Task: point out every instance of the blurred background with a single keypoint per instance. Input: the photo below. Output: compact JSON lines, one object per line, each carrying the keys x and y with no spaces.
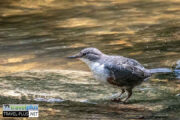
{"x":40,"y":34}
{"x":36,"y":36}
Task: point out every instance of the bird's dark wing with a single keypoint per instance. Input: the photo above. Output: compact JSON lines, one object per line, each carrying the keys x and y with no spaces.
{"x":127,"y":73}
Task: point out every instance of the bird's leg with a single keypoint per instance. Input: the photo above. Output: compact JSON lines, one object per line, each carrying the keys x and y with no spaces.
{"x":118,"y":99}
{"x":129,"y":91}
{"x":122,"y":92}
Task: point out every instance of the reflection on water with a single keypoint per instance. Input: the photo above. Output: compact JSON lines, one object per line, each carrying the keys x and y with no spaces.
{"x":49,"y":30}
{"x":40,"y":34}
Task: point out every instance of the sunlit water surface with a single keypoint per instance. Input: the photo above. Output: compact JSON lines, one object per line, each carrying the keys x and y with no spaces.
{"x":35,"y":38}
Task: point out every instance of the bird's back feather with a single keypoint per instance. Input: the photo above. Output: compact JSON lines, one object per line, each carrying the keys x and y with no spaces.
{"x":127,"y":72}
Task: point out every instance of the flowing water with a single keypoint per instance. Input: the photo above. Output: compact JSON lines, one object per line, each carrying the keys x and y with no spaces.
{"x":37,"y":36}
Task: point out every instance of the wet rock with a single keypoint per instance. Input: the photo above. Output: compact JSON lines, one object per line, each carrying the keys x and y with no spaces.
{"x":83,"y":94}
{"x":178,"y":64}
{"x":177,"y":70}
{"x":178,"y":95}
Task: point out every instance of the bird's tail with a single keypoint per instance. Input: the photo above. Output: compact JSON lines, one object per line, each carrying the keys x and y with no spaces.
{"x":157,"y":70}
{"x":160,"y":70}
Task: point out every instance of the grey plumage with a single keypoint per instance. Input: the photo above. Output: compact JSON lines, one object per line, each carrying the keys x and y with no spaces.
{"x":117,"y":70}
{"x":127,"y":72}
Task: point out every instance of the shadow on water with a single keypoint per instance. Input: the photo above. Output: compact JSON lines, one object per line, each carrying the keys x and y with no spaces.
{"x":39,"y":35}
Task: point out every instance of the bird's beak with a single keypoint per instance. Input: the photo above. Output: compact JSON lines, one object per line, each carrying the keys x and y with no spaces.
{"x":75,"y":56}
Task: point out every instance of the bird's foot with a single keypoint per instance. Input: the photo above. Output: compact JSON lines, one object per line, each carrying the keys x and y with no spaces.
{"x":116,"y":100}
{"x":124,"y":101}
{"x":119,"y":100}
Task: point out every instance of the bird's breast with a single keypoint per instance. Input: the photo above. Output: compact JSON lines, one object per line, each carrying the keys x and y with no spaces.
{"x":99,"y":71}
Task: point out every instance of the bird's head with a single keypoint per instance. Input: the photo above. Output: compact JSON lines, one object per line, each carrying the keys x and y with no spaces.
{"x":88,"y":55}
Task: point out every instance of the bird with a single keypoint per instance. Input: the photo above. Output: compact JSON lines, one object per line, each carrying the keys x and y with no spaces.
{"x":126,"y":73}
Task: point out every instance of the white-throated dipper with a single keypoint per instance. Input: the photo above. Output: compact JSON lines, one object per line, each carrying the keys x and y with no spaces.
{"x":116,"y":70}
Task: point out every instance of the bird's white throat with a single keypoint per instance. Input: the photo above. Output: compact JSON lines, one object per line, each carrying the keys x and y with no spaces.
{"x":98,"y":70}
